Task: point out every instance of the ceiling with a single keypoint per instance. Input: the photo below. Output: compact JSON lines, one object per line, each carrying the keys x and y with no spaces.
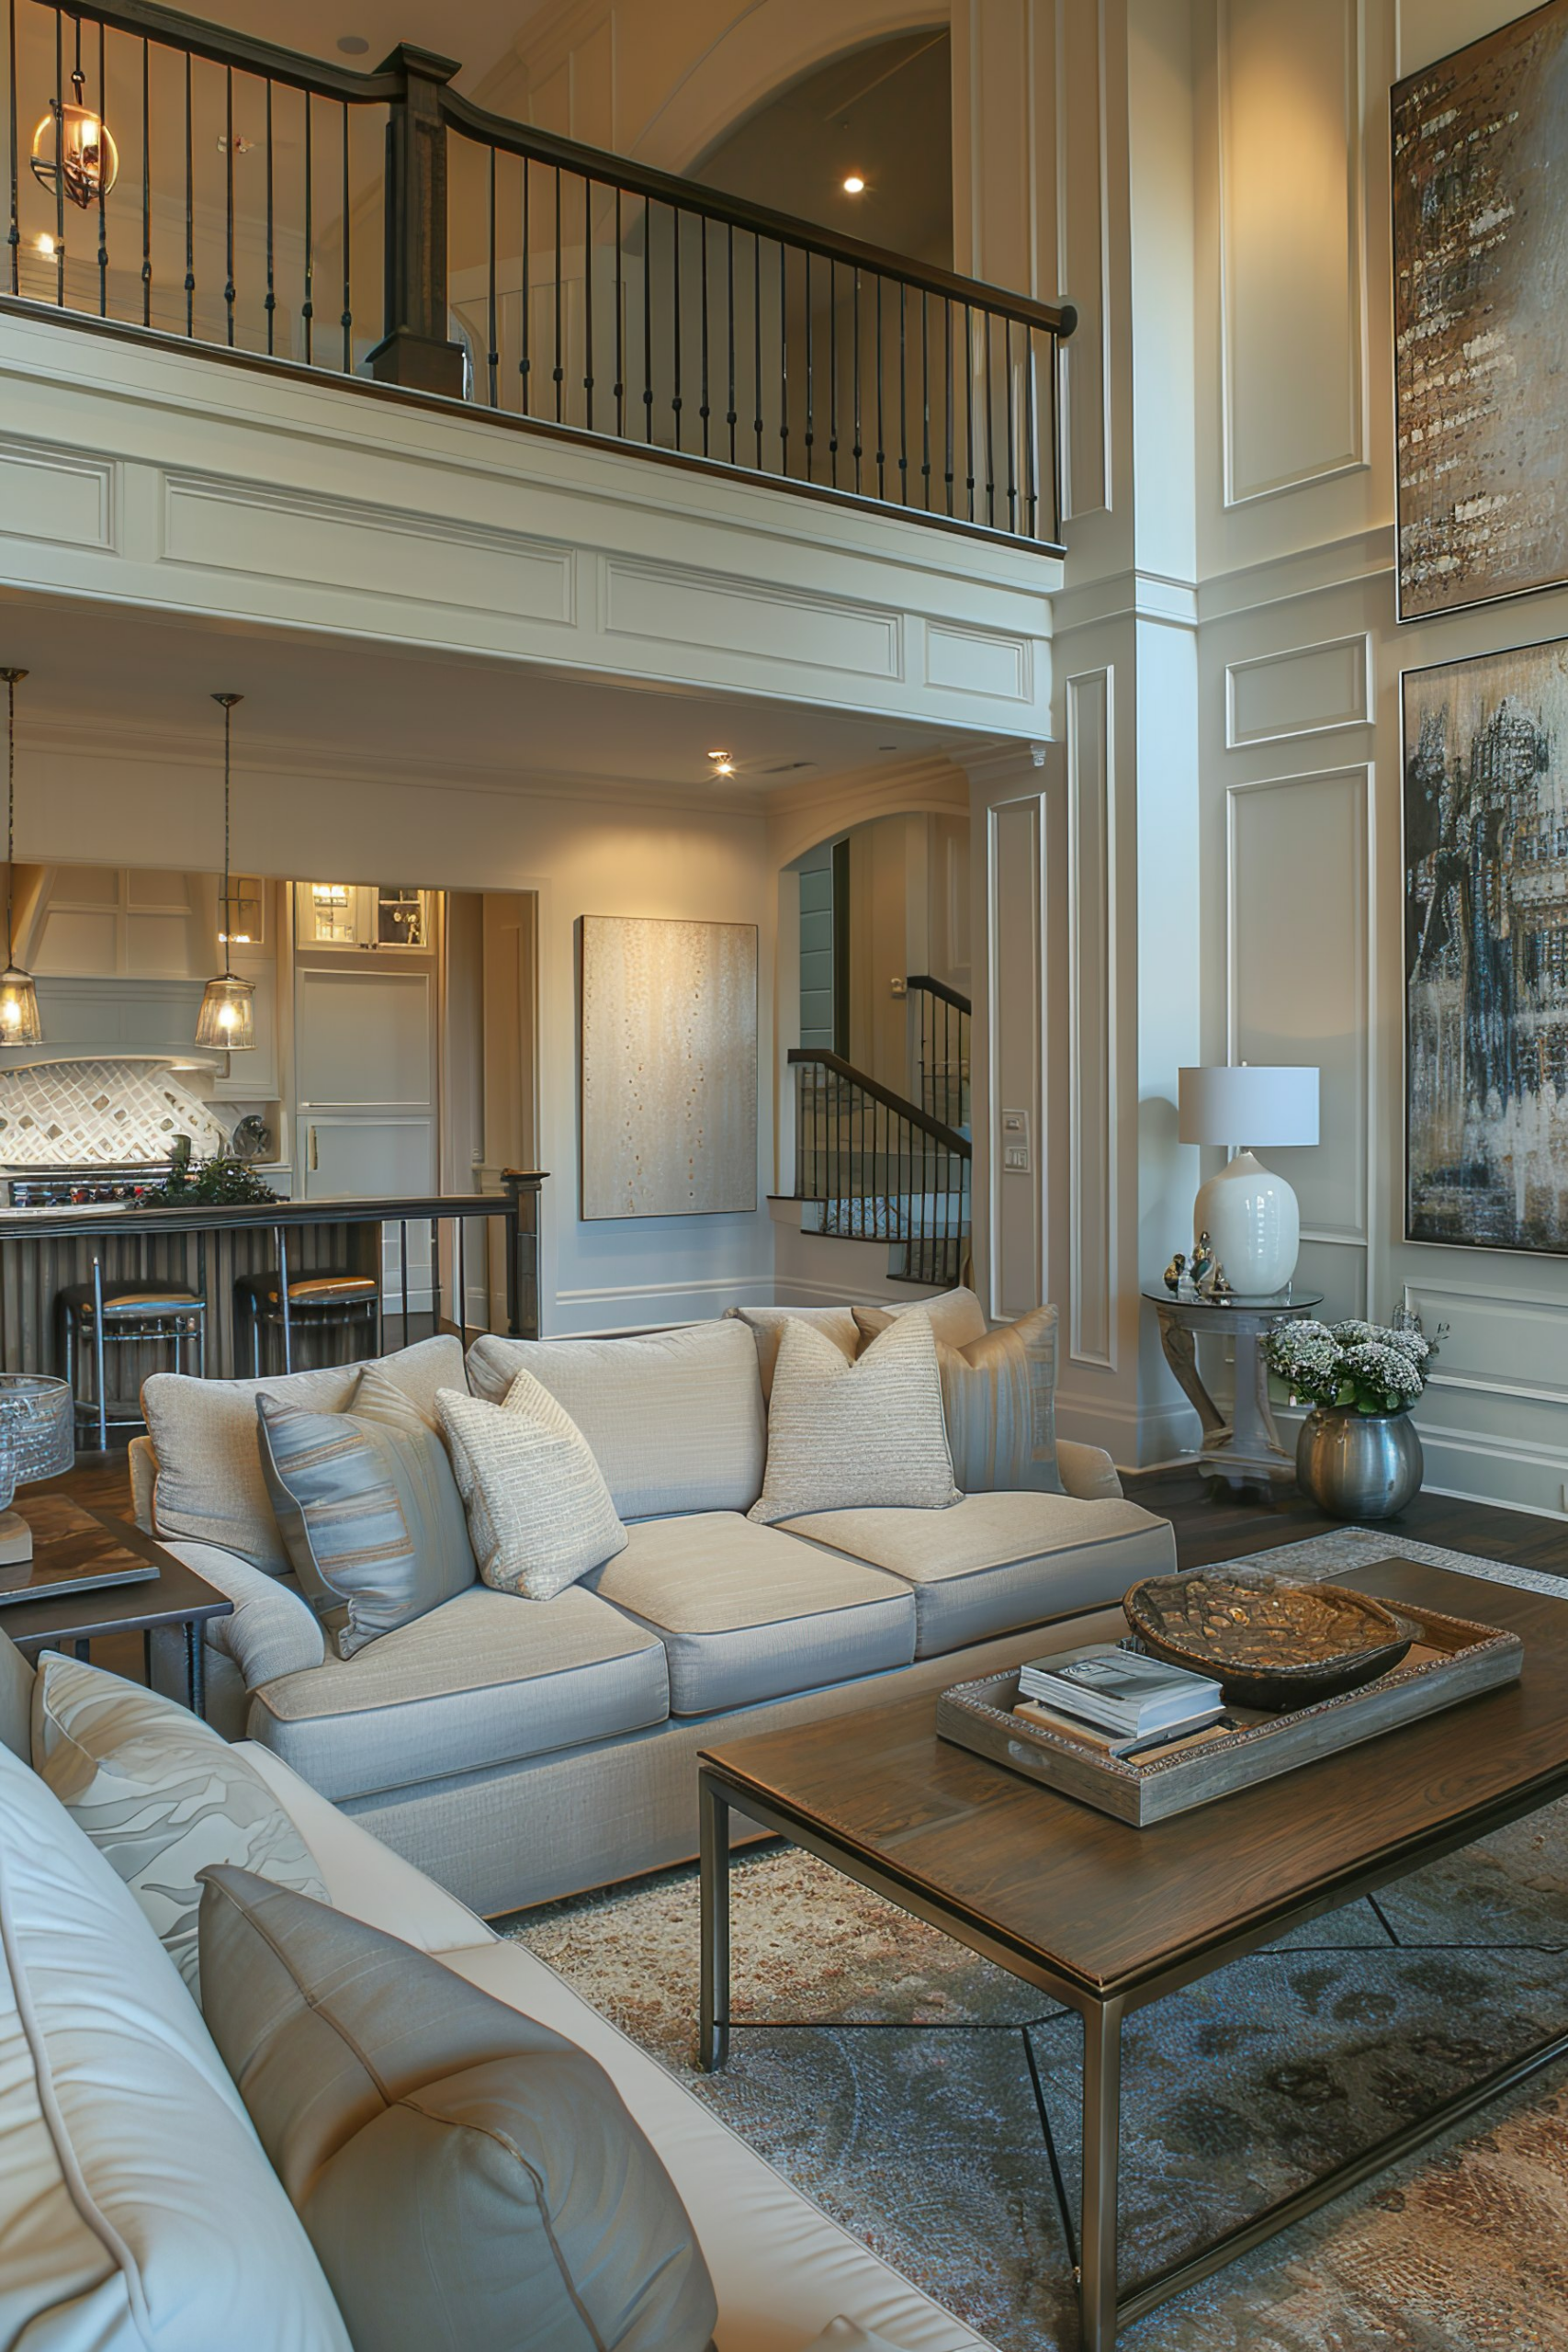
{"x":142,"y":679}
{"x":883,"y":113}
{"x":477,"y":33}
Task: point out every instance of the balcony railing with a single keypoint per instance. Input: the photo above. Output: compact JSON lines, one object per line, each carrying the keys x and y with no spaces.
{"x":380,"y":225}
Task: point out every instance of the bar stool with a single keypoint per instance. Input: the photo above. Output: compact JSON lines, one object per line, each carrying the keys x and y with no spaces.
{"x":320,"y":1301}
{"x":97,"y":1315}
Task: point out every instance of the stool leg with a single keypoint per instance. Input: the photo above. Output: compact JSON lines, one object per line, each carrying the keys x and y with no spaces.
{"x":282,"y":1299}
{"x":99,"y":1361}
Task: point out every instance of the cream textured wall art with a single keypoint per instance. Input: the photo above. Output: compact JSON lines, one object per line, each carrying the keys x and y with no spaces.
{"x":668,"y":1067}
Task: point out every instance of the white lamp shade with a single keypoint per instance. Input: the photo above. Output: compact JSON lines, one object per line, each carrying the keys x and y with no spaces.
{"x":1250,"y":1102}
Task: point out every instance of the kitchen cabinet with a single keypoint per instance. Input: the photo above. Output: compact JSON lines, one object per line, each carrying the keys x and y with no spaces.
{"x":385,"y":916}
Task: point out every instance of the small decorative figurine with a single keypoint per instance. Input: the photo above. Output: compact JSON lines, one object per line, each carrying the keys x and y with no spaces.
{"x":1203,"y":1261}
{"x":1174,"y":1272}
{"x":1219,"y":1291}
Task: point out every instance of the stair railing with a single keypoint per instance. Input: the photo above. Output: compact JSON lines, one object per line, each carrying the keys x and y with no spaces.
{"x":941,"y":1022}
{"x":381,"y":225}
{"x":877,"y":1168}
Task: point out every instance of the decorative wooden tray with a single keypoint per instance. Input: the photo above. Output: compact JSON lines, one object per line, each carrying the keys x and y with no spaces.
{"x":1449,"y":1659}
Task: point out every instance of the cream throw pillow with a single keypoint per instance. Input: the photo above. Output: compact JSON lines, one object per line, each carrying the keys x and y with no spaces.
{"x":539,"y":1512}
{"x":161,"y":1795}
{"x":999,"y":1396}
{"x":855,"y":1436}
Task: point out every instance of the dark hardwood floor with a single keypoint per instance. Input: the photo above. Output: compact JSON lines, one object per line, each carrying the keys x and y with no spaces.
{"x":1210,"y":1525}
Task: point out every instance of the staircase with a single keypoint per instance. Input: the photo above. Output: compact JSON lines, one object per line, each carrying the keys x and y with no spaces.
{"x":874,"y":1165}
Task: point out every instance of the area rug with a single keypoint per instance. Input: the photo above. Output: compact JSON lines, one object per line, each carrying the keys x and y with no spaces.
{"x":929,"y":2101}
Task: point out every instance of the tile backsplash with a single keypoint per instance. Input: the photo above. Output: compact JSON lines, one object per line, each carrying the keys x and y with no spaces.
{"x":99,"y":1114}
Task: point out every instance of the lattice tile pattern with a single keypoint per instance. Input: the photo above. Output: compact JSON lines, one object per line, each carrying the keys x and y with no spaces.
{"x":99,"y":1115}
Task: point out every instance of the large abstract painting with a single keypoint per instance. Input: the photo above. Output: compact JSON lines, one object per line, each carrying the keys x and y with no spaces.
{"x":1480,"y":232}
{"x":1486,"y":949}
{"x":669,"y":1067}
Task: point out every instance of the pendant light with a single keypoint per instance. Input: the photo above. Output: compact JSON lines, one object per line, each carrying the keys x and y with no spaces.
{"x":227,"y":1018}
{"x":20,"y":1023}
{"x":72,"y":150}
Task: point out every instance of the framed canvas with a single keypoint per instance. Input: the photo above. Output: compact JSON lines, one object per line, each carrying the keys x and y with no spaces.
{"x":1481,"y":331}
{"x":668,"y":1067}
{"x":1485,"y":791}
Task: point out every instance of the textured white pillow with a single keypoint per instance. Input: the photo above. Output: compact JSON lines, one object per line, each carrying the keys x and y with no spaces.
{"x":856,"y":1436}
{"x":539,"y":1512}
{"x":161,"y":1796}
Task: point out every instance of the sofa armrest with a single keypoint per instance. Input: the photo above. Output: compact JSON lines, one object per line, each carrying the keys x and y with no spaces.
{"x":270,"y":1631}
{"x":1087,"y":1473}
{"x":142,"y":1463}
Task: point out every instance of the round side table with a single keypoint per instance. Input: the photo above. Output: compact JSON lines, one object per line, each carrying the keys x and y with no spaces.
{"x":1246,"y":1451}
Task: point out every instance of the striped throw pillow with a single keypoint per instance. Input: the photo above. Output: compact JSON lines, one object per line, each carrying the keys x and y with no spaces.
{"x":998,"y":1397}
{"x":375,"y":1523}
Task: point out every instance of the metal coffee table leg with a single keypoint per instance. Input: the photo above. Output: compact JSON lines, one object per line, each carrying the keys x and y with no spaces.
{"x":1101,"y":2157}
{"x":713,"y":2039}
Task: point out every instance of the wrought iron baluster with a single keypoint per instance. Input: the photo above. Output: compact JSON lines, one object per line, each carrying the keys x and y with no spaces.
{"x":147,"y":184}
{"x":1030,"y":454}
{"x":990,"y":428}
{"x":706,"y":411}
{"x":926,"y":398}
{"x":860,"y":436}
{"x":308,"y":309}
{"x":492,"y":352}
{"x":947,"y":394}
{"x":1058,"y":455}
{"x":834,"y":371}
{"x":648,"y":320}
{"x":559,"y":371}
{"x":757,"y":323}
{"x":881,"y":434}
{"x":103,"y":186}
{"x":587,"y":308}
{"x":675,"y":319}
{"x":462,"y":1224}
{"x":620,"y":326}
{"x":524,"y":362}
{"x":403,"y":1276}
{"x":190,"y":207}
{"x":59,"y":156}
{"x":731,"y":416}
{"x":784,"y":359}
{"x":229,"y":208}
{"x":903,"y":394}
{"x":969,"y":406}
{"x":811,"y":377}
{"x":270,"y":305}
{"x":347,"y":321}
{"x":434,"y":1277}
{"x":1012,"y":426}
{"x":14,"y":235}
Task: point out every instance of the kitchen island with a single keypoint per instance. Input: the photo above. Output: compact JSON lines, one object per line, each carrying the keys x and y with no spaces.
{"x":428,"y":1254}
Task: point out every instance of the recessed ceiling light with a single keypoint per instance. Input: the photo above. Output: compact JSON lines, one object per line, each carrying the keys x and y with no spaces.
{"x":854,"y":185}
{"x":354,"y":45}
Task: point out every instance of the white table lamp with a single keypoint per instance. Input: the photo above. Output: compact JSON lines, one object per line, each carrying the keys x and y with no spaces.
{"x":1249,"y":1215}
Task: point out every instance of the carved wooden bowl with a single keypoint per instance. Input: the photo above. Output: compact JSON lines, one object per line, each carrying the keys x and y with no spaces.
{"x":1269,"y":1641}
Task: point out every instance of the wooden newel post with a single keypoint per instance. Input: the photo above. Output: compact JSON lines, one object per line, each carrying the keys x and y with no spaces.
{"x":417,"y":349}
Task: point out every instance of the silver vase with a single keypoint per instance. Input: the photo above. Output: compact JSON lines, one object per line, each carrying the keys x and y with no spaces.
{"x":1358,"y":1465}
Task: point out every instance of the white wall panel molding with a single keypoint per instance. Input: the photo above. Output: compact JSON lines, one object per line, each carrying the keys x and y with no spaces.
{"x":1093,"y":1181}
{"x":373,"y":551}
{"x":801,"y":814}
{"x":1292,"y":263}
{"x":1013,"y":1047}
{"x":1306,"y":690}
{"x":1494,"y":1338}
{"x":1348,"y":562}
{"x":676,"y":605}
{"x":51,"y":494}
{"x":1300,"y":955}
{"x":1130,"y":595}
{"x":253,"y":494}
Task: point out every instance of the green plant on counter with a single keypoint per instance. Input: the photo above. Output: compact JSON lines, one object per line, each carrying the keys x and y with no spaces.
{"x":219,"y":1181}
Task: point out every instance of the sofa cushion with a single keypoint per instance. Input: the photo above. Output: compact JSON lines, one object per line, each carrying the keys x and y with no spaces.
{"x":138,"y":2207}
{"x":747,"y":1614}
{"x":210,"y":1485}
{"x":995,"y":1562}
{"x":486,"y":1680}
{"x":467,"y":2175}
{"x":161,"y":1796}
{"x":539,"y":1512}
{"x":849,"y":1436}
{"x":998,"y":1399}
{"x":675,"y":1419}
{"x":378,"y":1528}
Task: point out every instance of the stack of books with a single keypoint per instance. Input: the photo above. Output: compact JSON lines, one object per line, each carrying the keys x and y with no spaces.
{"x":1119,"y":1699}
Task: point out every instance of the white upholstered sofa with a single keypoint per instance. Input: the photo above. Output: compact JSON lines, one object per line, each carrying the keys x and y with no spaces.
{"x":131,"y":2165}
{"x":520,"y":1751}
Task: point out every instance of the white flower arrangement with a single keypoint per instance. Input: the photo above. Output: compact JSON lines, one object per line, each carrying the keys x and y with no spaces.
{"x":1368,"y":1365}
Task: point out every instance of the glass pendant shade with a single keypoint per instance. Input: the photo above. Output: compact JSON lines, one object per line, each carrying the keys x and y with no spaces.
{"x":20,"y":1023}
{"x":79,"y":150}
{"x":227,"y":1019}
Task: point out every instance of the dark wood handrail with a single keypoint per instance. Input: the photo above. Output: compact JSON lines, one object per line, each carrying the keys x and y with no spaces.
{"x":758,"y":219}
{"x":960,"y":1145}
{"x":941,"y":990}
{"x":171,"y":29}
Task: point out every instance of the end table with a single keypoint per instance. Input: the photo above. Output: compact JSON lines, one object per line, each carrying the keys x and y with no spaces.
{"x":72,"y":1538}
{"x":1245,"y":1450}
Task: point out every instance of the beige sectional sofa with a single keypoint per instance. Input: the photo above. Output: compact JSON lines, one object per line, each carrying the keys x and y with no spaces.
{"x":519,"y":1750}
{"x":137,"y":2206}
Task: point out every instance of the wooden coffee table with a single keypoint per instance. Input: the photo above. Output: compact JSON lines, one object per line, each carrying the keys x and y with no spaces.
{"x":70,"y":1538}
{"x":1106,"y":1918}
